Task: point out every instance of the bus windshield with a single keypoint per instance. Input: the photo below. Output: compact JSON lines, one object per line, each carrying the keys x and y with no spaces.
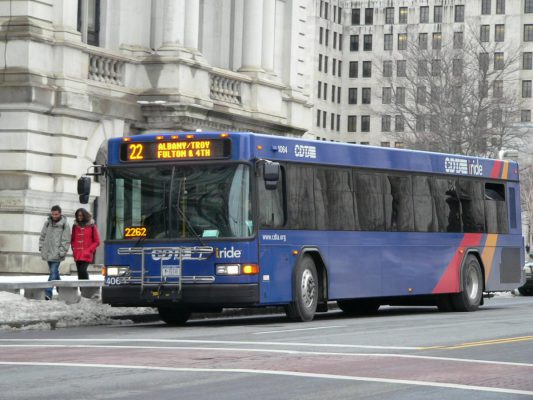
{"x":180,"y":202}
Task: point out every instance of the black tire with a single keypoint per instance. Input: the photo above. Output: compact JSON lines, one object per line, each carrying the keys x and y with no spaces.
{"x":526,"y":291}
{"x":469,"y":299}
{"x":174,"y":316}
{"x":305,"y":289}
{"x":358,"y":307}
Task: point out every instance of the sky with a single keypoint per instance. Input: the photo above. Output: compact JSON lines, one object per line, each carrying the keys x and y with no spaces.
{"x":15,"y":308}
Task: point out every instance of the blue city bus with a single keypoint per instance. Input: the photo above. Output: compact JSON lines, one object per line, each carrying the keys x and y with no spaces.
{"x":203,"y":221}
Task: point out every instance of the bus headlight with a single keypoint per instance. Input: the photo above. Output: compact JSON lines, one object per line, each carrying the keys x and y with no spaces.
{"x":118,"y":271}
{"x":237,"y":269}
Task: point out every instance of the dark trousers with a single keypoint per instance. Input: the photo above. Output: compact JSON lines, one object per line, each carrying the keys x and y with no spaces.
{"x":81,"y":266}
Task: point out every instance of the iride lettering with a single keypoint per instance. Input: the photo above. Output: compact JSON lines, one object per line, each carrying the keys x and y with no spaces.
{"x":228,"y":253}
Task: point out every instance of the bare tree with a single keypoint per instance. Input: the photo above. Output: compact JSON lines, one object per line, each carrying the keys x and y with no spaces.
{"x":459,"y":96}
{"x":526,"y":196}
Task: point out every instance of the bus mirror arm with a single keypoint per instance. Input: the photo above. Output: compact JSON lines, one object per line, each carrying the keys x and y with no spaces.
{"x":84,"y":183}
{"x":271,"y":172}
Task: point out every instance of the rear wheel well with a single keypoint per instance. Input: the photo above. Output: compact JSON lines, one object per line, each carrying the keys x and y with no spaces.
{"x":476,"y":254}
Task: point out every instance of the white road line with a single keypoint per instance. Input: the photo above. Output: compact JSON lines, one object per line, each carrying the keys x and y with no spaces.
{"x":295,"y":352}
{"x":300,"y":329}
{"x":284,"y":373}
{"x":226,"y":342}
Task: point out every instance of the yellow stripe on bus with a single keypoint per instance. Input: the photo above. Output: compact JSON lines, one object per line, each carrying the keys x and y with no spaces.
{"x":488,"y":254}
{"x":505,"y":169}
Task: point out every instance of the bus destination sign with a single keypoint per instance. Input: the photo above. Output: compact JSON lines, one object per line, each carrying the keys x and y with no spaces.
{"x":196,"y":149}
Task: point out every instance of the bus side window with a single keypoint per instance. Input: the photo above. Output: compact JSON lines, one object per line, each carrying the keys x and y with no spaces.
{"x":399,"y":203}
{"x":495,"y":208}
{"x":368,"y":194}
{"x":271,"y":202}
{"x":423,"y":205}
{"x":470,"y":194}
{"x":300,"y":197}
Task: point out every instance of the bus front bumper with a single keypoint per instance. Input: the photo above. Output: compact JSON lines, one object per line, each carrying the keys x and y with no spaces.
{"x":197,"y":295}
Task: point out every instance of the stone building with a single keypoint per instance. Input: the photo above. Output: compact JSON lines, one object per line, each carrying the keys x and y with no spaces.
{"x":75,"y":73}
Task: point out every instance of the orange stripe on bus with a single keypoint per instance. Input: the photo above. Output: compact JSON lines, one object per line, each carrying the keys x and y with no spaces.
{"x":488,"y":254}
{"x":505,"y":170}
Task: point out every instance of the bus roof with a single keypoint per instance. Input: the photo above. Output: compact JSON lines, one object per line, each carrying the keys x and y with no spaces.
{"x":250,"y":146}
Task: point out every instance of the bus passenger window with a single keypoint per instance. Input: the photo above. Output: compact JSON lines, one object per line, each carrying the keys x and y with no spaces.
{"x":399,"y":204}
{"x":271,"y":202}
{"x":423,"y":205}
{"x":470,"y":194}
{"x":495,"y":208}
{"x":369,"y":201}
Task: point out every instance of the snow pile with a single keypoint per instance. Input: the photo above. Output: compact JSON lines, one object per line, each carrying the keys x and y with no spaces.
{"x":16,"y":308}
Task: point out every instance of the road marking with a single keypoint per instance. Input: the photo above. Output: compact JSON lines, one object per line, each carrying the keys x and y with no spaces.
{"x":293,"y":352}
{"x":481,"y":343}
{"x":283,"y":373}
{"x":300,"y":329}
{"x":227,"y":342}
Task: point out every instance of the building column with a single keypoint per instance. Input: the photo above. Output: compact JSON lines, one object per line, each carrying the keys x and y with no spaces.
{"x":172,"y":24}
{"x":192,"y":24}
{"x":252,"y":36}
{"x":269,"y":23}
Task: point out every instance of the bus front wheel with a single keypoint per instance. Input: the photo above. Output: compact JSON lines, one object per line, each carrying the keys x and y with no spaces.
{"x":305,"y":290}
{"x":469,"y":299}
{"x":174,"y":316}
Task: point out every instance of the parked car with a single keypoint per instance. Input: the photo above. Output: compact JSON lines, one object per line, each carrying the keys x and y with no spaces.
{"x":527,"y":288}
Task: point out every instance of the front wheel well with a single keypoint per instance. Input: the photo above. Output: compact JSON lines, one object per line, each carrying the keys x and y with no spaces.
{"x":322,"y":273}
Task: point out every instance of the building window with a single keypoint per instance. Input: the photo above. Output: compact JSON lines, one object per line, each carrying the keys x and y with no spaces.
{"x":402,"y":41}
{"x":459,"y":13}
{"x":387,"y":42}
{"x":422,"y":67}
{"x":424,"y":14}
{"x":422,"y":41}
{"x":339,"y":68}
{"x":89,"y":21}
{"x":399,"y":145}
{"x":499,"y":33}
{"x":354,"y":69}
{"x":352,"y":96}
{"x":421,"y":95}
{"x":437,"y":14}
{"x":386,"y":95}
{"x":387,"y":69}
{"x":420,"y":123}
{"x":326,"y":9}
{"x":339,"y":95}
{"x":333,"y":91}
{"x":403,"y":15}
{"x":324,"y":115}
{"x":385,"y":123}
{"x":327,"y":37}
{"x":369,"y":16}
{"x":485,"y":7}
{"x":365,"y":123}
{"x":354,"y":42}
{"x":366,"y":96}
{"x":334,"y":13}
{"x":498,"y":61}
{"x":338,"y":122}
{"x":339,"y":16}
{"x":318,"y":118}
{"x":325,"y":64}
{"x":333,"y":66}
{"x":340,"y":41}
{"x":526,"y":89}
{"x":497,"y":89}
{"x":528,"y":33}
{"x":527,"y":60}
{"x":484,"y":61}
{"x":367,"y":69}
{"x":389,"y":15}
{"x":320,"y":35}
{"x":332,"y":119}
{"x":352,"y":123}
{"x":334,"y":40}
{"x":458,"y":40}
{"x":325,"y":90}
{"x":319,"y":92}
{"x":525,"y":116}
{"x":436,"y":67}
{"x":500,"y":6}
{"x":398,"y":123}
{"x":367,"y":42}
{"x":528,"y":6}
{"x":400,"y":95}
{"x":385,"y":144}
{"x":437,"y":41}
{"x":356,"y":16}
{"x":484,"y":33}
{"x":457,"y":67}
{"x":401,"y":68}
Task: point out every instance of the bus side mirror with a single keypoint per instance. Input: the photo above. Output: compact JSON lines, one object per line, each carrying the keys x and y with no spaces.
{"x":271,"y":173}
{"x":84,"y":189}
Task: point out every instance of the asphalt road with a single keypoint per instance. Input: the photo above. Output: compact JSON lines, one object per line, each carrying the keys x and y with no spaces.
{"x":401,"y":353}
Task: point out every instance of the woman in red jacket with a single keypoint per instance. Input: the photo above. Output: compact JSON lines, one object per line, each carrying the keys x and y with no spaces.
{"x":84,"y":241}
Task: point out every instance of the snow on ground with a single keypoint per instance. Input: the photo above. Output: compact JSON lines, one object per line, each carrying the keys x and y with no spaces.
{"x":16,"y":308}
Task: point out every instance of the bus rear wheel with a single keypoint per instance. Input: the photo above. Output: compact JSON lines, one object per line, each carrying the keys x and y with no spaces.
{"x":173,"y":315}
{"x":358,"y":307}
{"x":469,"y":299}
{"x":305,"y":289}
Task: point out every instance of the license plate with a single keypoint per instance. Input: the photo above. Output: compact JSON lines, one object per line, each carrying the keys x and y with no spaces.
{"x":170,"y":271}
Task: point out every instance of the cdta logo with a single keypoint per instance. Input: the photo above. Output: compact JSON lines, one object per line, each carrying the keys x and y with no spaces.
{"x":228,"y":253}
